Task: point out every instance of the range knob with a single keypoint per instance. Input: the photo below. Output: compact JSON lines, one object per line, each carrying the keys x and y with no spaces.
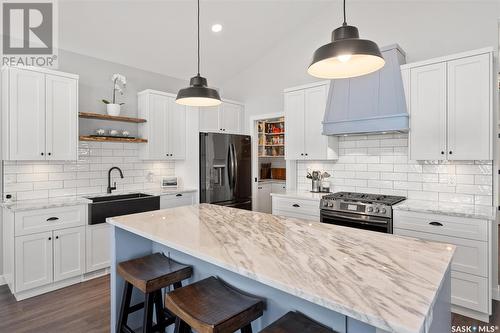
{"x":330,"y":204}
{"x":376,"y":210}
{"x":383,"y":210}
{"x":369,"y":209}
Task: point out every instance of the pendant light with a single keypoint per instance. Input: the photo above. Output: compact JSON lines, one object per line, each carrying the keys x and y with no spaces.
{"x":198,"y":93}
{"x":346,"y":56}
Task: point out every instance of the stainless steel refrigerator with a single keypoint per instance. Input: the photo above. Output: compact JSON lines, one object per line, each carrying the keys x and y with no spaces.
{"x":226,"y":170}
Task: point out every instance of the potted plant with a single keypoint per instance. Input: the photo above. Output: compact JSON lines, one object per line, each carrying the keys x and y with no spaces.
{"x":119,"y":82}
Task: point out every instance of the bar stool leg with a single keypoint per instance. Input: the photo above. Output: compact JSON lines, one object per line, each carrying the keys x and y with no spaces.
{"x":160,"y":314}
{"x":147,"y":326}
{"x":181,"y":326}
{"x":247,"y":329}
{"x":123,"y":317}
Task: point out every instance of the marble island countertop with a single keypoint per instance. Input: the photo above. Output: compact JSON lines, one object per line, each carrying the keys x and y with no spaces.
{"x":386,"y":281}
{"x":453,"y":209}
{"x":74,"y":200}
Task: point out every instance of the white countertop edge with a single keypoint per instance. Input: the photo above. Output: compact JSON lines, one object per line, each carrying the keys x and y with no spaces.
{"x":352,"y":313}
{"x":402,"y":206}
{"x":300,"y":195}
{"x":26,"y":205}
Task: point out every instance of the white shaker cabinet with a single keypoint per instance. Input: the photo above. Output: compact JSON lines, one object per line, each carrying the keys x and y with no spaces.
{"x":450,"y":106}
{"x":179,"y":199}
{"x":98,"y":254}
{"x":165,"y":126}
{"x":69,"y":253}
{"x":264,"y":204}
{"x":304,"y":112}
{"x":39,"y":114}
{"x":33,"y":258}
{"x":225,"y":118}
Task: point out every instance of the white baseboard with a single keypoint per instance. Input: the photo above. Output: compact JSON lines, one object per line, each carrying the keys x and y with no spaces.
{"x":470,"y":313}
{"x":495,"y":293}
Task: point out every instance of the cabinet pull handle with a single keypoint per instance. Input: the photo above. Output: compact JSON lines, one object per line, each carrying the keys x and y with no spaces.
{"x":260,"y":187}
{"x":178,"y":195}
{"x":437,"y":224}
{"x":296,"y":205}
{"x":53,"y":218}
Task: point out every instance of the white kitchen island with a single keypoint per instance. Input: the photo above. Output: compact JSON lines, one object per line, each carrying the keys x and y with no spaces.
{"x":352,"y":280}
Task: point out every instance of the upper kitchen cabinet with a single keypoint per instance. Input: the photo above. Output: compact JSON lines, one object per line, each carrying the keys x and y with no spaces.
{"x":304,"y":112}
{"x":39,"y":114}
{"x":225,"y":118}
{"x":165,"y":126}
{"x":450,"y":104}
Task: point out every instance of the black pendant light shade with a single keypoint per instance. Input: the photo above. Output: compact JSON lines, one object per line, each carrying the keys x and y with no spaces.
{"x":198,"y":93}
{"x":346,"y":56}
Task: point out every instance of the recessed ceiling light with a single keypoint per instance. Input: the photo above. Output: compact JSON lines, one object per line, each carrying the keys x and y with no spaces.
{"x":217,"y":27}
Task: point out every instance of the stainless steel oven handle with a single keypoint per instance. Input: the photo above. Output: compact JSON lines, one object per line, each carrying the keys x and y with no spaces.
{"x":365,"y":219}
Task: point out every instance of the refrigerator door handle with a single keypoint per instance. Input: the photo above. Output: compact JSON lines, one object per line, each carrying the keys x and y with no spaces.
{"x":235,"y":165}
{"x":230,"y":169}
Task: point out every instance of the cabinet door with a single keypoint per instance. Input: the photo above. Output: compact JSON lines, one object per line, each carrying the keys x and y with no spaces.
{"x":264,"y":204}
{"x":26,"y":115}
{"x":69,"y":253}
{"x":469,"y":108}
{"x":177,"y":130}
{"x":278,"y":188}
{"x":61,"y":117}
{"x":428,"y":112}
{"x":158,"y":116}
{"x":209,"y":119}
{"x":98,"y":247}
{"x":294,"y":125}
{"x":33,"y":261}
{"x":231,"y":118}
{"x":316,"y":144}
{"x":176,"y":200}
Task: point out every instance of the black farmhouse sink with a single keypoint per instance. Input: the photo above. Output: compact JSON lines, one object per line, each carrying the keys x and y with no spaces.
{"x":123,"y":204}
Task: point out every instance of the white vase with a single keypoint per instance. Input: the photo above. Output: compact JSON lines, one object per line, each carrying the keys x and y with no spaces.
{"x":113,"y":109}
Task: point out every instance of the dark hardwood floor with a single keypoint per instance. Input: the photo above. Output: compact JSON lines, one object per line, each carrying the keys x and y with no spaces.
{"x":80,"y":308}
{"x":85,"y":308}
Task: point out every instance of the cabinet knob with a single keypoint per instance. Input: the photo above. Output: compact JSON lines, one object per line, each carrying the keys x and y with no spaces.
{"x":50,"y":154}
{"x":41,"y":154}
{"x":450,"y":152}
{"x":50,"y":238}
{"x":57,"y":237}
{"x":442,"y":152}
{"x":307,"y":154}
{"x":301,"y":154}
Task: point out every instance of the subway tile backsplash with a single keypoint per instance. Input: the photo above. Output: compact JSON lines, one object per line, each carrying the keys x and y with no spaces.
{"x":378,"y":163}
{"x":89,"y":175}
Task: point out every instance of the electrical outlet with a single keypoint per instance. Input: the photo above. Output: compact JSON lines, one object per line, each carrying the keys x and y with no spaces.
{"x":452,"y":180}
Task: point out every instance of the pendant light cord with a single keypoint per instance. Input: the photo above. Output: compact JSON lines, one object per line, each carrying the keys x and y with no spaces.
{"x":345,"y":21}
{"x":198,"y":37}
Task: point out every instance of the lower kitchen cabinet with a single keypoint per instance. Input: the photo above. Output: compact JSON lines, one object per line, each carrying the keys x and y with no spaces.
{"x":177,"y":199}
{"x":471,"y":265}
{"x":42,"y":258}
{"x":307,"y":209}
{"x":264,"y":198}
{"x":33,"y":258}
{"x":98,"y":247}
{"x":69,"y":253}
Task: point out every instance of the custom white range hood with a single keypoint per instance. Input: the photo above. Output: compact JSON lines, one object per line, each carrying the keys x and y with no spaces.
{"x":371,"y":103}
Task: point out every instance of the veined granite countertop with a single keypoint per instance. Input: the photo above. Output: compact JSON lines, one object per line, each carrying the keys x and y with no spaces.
{"x":455,"y":209}
{"x":300,"y":195}
{"x":386,"y":281}
{"x":80,"y":200}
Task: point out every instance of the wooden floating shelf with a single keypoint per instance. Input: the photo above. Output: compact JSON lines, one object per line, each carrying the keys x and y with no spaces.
{"x":266,"y":156}
{"x":90,"y":115}
{"x":111,"y":139}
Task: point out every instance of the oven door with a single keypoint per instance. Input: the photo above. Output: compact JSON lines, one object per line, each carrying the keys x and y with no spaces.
{"x":360,"y":221}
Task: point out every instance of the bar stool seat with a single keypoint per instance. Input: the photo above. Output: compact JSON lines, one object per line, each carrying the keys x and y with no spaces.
{"x":211,"y":306}
{"x":149,"y":274}
{"x":295,"y":322}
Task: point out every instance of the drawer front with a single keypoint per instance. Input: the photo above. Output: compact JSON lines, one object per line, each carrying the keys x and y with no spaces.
{"x":441,"y":224}
{"x":303,"y":207}
{"x":41,"y":220}
{"x":296,"y":215}
{"x":176,"y":200}
{"x":469,"y":291}
{"x":470,"y":256}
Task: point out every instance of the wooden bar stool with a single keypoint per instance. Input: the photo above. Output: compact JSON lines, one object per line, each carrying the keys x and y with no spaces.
{"x":295,"y":322}
{"x":211,"y":306}
{"x":149,"y":274}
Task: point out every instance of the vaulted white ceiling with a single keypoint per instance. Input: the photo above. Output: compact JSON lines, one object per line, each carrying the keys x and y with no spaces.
{"x":160,"y":36}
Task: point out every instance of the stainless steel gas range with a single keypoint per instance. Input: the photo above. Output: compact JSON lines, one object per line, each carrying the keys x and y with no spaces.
{"x":359,"y":210}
